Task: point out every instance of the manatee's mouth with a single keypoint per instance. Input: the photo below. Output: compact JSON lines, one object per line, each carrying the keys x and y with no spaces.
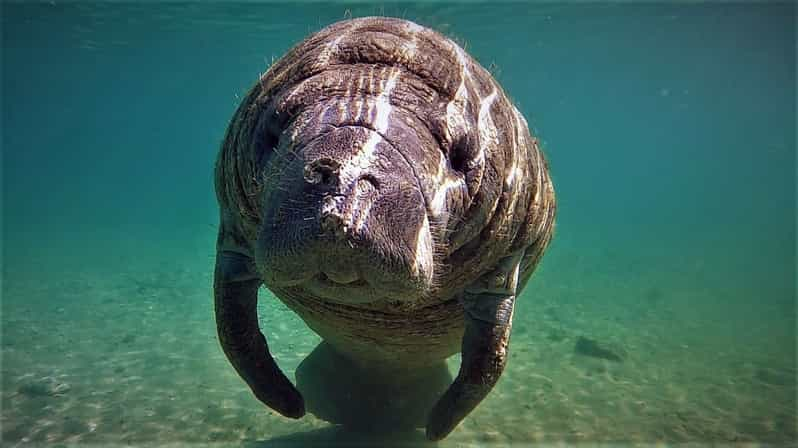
{"x":325,"y":280}
{"x":349,"y":290}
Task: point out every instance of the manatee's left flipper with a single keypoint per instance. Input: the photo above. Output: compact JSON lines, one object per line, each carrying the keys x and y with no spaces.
{"x":488,"y":305}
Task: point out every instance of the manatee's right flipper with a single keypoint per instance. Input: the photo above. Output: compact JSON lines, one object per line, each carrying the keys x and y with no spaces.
{"x":488,"y":306}
{"x":235,"y":290}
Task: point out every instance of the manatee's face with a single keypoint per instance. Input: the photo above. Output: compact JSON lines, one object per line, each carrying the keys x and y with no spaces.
{"x":345,"y":214}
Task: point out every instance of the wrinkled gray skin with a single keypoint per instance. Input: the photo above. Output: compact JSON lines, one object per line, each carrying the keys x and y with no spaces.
{"x":379,"y":182}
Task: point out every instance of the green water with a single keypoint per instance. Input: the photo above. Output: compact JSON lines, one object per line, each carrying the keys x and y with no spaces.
{"x":671,"y":134}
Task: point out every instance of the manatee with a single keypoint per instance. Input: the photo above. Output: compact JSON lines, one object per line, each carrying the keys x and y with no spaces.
{"x":380,"y":183}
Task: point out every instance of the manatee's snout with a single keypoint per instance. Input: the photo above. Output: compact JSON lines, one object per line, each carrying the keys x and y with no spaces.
{"x":343,"y":208}
{"x":324,"y":173}
{"x":342,"y":213}
{"x":351,"y":225}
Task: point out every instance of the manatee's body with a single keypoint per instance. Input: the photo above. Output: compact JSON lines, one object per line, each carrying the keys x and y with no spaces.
{"x":379,"y":182}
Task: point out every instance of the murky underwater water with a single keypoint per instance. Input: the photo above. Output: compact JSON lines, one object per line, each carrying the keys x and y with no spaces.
{"x":671,"y":135}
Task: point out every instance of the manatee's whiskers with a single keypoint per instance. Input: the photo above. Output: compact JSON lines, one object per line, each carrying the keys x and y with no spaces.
{"x":278,"y":163}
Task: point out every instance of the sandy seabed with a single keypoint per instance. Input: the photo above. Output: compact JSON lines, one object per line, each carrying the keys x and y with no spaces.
{"x":129,"y":356}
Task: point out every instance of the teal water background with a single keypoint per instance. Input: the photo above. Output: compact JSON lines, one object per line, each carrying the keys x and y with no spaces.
{"x":670,"y":129}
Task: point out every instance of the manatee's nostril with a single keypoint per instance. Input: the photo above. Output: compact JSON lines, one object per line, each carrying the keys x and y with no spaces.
{"x":367,"y":180}
{"x":322,"y":171}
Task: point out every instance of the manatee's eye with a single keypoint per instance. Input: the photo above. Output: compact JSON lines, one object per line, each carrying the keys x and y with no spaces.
{"x":458,"y":156}
{"x":266,"y":141}
{"x":369,"y":180}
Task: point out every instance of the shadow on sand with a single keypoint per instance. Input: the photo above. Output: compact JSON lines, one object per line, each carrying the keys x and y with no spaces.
{"x":338,"y":436}
{"x":366,"y":407}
